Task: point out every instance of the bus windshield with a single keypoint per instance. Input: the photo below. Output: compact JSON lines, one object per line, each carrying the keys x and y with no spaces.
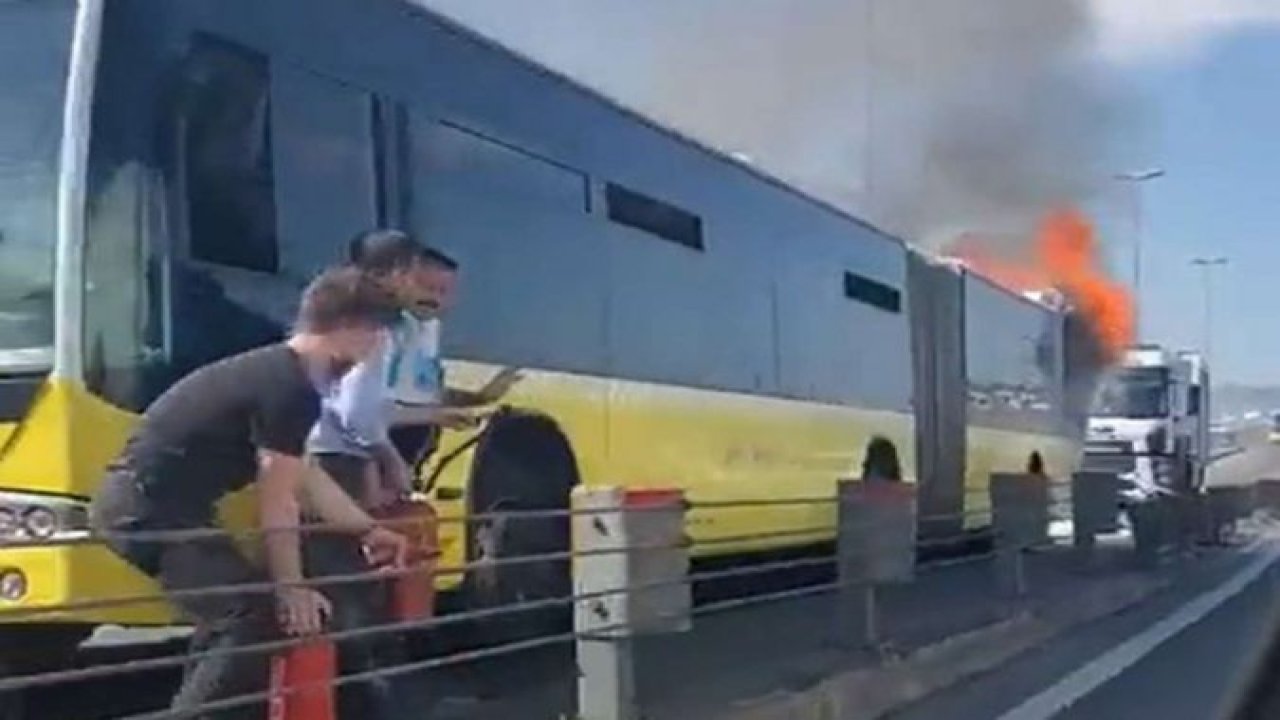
{"x":35,"y":42}
{"x":1133,"y":393}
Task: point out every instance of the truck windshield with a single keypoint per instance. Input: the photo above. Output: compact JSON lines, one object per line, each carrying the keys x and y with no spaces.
{"x":1133,"y":393}
{"x":35,"y":41}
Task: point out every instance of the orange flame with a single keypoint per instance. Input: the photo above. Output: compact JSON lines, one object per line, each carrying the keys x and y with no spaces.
{"x":1065,"y":258}
{"x":1068,"y":253}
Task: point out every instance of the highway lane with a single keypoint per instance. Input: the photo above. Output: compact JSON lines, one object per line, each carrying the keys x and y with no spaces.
{"x":1193,"y":674}
{"x":1257,"y":460}
{"x":1184,"y":676}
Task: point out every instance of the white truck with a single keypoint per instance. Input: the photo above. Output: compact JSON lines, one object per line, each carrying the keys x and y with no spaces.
{"x":1150,"y":421}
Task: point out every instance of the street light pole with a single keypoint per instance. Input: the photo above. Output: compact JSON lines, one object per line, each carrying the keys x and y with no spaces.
{"x":1206,"y":266}
{"x":1134,"y":180}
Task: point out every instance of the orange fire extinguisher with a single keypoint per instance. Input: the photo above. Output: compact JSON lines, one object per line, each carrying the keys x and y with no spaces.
{"x":413,"y":591}
{"x":302,"y":682}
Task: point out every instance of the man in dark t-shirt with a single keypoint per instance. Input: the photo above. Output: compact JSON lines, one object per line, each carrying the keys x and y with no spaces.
{"x":242,"y":420}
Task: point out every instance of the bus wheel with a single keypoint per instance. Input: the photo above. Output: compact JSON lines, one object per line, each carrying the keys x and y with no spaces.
{"x":521,"y":481}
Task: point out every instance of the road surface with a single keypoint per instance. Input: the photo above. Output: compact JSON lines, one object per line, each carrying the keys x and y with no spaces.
{"x":1182,"y":656}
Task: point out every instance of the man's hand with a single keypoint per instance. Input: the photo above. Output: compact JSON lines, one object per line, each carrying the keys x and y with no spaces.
{"x":500,"y":385}
{"x":454,"y":418}
{"x":388,"y":480}
{"x":386,"y":548}
{"x":397,"y":479}
{"x":302,"y":611}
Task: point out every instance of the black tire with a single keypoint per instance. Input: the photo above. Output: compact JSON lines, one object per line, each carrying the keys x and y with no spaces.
{"x":524,"y":467}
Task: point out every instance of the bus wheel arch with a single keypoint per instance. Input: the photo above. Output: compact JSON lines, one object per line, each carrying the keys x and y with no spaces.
{"x":1035,"y":464}
{"x":880,"y":460}
{"x":525,"y":462}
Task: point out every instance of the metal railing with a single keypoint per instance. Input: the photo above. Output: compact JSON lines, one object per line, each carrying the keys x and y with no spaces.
{"x":633,"y":575}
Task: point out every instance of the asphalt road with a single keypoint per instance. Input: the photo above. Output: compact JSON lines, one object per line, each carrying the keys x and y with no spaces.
{"x":1190,"y":676}
{"x":1258,"y":460}
{"x":1178,"y":657}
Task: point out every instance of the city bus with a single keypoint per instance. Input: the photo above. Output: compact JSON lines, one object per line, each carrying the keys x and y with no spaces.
{"x":173,"y":171}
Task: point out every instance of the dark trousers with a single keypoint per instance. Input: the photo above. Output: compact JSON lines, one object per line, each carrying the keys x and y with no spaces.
{"x":415,"y":443}
{"x":357,"y":605}
{"x":199,"y":577}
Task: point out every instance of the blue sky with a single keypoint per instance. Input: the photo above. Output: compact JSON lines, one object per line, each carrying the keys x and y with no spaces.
{"x":1214,"y":125}
{"x":785,"y":83}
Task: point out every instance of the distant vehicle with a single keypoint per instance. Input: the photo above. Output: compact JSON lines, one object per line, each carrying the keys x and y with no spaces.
{"x":1150,"y":420}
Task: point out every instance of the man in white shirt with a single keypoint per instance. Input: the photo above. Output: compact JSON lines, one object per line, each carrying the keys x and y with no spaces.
{"x":380,"y":421}
{"x":416,"y":402}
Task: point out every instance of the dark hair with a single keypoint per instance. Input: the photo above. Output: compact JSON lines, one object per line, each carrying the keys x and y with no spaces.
{"x":343,"y":297}
{"x":384,"y":251}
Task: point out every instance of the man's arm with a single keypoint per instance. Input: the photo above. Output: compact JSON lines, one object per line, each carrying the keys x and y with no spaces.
{"x":279,"y":480}
{"x":453,"y":418}
{"x":454,"y":397}
{"x":286,"y":481}
{"x":493,"y":391}
{"x":327,"y":499}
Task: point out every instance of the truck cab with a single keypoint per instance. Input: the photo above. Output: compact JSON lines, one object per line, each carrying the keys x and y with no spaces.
{"x":1149,"y":422}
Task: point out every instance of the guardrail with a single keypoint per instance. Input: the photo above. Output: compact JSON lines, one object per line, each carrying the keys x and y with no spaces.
{"x":633,"y":576}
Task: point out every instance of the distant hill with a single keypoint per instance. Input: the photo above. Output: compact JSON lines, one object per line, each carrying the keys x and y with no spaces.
{"x":1236,"y":400}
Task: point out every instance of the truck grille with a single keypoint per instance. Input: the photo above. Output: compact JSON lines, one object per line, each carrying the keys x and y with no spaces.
{"x":1109,"y":457}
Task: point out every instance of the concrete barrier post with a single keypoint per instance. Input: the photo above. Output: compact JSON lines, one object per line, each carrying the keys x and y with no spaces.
{"x":1268,"y":494}
{"x":1156,"y":528}
{"x":1095,"y":508}
{"x":631,"y":577}
{"x":875,"y":546}
{"x":1020,"y":515}
{"x":1225,"y":507}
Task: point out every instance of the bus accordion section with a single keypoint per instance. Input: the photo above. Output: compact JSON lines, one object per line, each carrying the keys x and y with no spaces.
{"x":991,"y":392}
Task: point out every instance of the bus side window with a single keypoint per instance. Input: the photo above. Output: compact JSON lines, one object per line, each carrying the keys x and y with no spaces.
{"x":226,"y":145}
{"x":226,"y":175}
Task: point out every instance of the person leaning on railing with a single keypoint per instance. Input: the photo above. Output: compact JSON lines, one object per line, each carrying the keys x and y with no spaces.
{"x":214,"y":431}
{"x":354,"y":443}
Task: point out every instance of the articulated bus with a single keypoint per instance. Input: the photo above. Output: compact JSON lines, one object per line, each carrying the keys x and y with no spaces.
{"x":173,"y":171}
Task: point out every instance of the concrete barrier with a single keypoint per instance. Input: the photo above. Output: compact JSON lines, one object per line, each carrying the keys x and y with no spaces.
{"x":1267,"y":494}
{"x":1226,"y":505}
{"x":876,"y":538}
{"x":1095,"y":506}
{"x":1020,"y":515}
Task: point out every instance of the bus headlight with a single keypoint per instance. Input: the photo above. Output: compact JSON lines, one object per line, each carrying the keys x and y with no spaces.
{"x":9,"y":524}
{"x":25,"y":516}
{"x":40,"y":523}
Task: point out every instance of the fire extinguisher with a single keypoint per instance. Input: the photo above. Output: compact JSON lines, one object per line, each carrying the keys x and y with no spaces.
{"x":302,"y":682}
{"x":413,"y":591}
